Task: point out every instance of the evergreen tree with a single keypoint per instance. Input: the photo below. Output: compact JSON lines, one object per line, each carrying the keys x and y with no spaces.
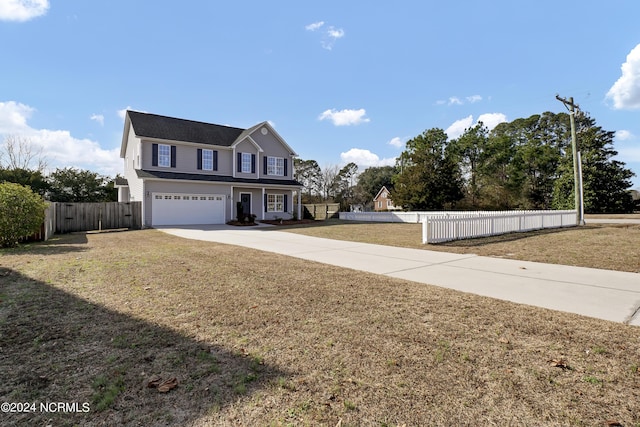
{"x":469,"y":150}
{"x":605,"y":181}
{"x":76,"y":186}
{"x":429,"y":177}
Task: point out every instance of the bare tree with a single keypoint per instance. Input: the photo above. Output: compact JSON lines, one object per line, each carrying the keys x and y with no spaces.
{"x":18,"y":152}
{"x":328,"y":181}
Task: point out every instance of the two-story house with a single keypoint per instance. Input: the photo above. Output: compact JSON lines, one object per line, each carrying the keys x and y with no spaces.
{"x":189,"y":172}
{"x":383,"y":202}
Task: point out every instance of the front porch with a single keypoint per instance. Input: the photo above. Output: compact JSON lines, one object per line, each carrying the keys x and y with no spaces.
{"x":265,"y":202}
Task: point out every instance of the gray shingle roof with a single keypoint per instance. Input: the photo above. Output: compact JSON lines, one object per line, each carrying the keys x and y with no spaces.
{"x":214,"y":178}
{"x":162,"y":127}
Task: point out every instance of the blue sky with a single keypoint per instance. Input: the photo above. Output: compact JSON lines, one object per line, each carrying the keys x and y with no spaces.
{"x":340,"y":80}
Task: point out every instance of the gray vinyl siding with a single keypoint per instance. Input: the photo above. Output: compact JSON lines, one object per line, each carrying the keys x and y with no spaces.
{"x":130,"y":165}
{"x":187,"y":157}
{"x":247,"y":147}
{"x":272,"y":148}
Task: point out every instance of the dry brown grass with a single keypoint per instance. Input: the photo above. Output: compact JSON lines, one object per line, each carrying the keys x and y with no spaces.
{"x":606,"y":246}
{"x":263,"y":339}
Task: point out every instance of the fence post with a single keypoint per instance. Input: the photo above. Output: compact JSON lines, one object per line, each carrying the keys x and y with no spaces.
{"x":425,"y":239}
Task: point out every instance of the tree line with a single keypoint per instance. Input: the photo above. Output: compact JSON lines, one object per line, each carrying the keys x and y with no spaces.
{"x":21,"y":163}
{"x":523,"y":164}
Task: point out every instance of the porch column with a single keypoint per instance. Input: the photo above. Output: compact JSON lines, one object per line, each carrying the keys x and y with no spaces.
{"x":231,"y":216}
{"x":299,"y":204}
{"x":262,"y":209}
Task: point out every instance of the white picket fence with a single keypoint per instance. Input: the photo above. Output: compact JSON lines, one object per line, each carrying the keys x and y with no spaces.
{"x":481,"y":224}
{"x":444,"y":226}
{"x":413,"y":217}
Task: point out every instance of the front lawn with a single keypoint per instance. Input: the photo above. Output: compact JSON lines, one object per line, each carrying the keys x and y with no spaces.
{"x":256,"y":338}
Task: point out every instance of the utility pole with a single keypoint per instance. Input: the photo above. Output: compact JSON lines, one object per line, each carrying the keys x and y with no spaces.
{"x":577,"y":164}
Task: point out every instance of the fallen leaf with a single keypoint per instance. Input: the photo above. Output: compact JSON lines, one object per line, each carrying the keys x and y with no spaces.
{"x":559,"y":363}
{"x":167,"y":385}
{"x":503,"y":340}
{"x":613,"y":423}
{"x":154,"y":383}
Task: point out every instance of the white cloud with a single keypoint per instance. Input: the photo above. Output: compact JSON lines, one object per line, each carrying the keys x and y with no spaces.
{"x":625,"y":92}
{"x":396,"y":142}
{"x":122,"y":113}
{"x":345,"y":117}
{"x":98,"y":118}
{"x":22,"y":10}
{"x":315,"y":26}
{"x":623,"y":135}
{"x":59,"y":148}
{"x":454,"y":100}
{"x":329,"y":36}
{"x":490,"y":120}
{"x":335,"y":33}
{"x":457,"y":128}
{"x":365,"y":158}
{"x":13,"y":116}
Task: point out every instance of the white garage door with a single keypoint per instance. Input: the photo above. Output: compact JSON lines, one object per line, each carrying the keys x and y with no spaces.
{"x":185,"y":209}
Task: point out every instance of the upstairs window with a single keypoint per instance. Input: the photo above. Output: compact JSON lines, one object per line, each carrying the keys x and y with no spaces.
{"x":275,"y":166}
{"x":164,"y":155}
{"x":246,"y":163}
{"x":207,"y":160}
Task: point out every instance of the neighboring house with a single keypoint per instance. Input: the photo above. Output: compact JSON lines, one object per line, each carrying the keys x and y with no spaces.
{"x":188,"y":172}
{"x":383,"y":202}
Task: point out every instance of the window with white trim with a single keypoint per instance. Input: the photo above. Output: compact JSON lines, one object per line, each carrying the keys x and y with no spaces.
{"x":207,"y":160}
{"x":275,"y":202}
{"x":164,"y":155}
{"x":275,"y":166}
{"x":246,"y":163}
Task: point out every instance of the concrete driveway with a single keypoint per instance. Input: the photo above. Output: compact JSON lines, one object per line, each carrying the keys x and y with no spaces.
{"x":603,"y":294}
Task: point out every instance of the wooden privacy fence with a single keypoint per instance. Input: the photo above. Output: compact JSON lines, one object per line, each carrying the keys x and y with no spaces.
{"x":321,"y":210}
{"x":437,"y":229}
{"x":69,"y":217}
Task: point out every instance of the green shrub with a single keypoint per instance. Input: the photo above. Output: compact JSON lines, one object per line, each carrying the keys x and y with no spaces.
{"x":21,"y":213}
